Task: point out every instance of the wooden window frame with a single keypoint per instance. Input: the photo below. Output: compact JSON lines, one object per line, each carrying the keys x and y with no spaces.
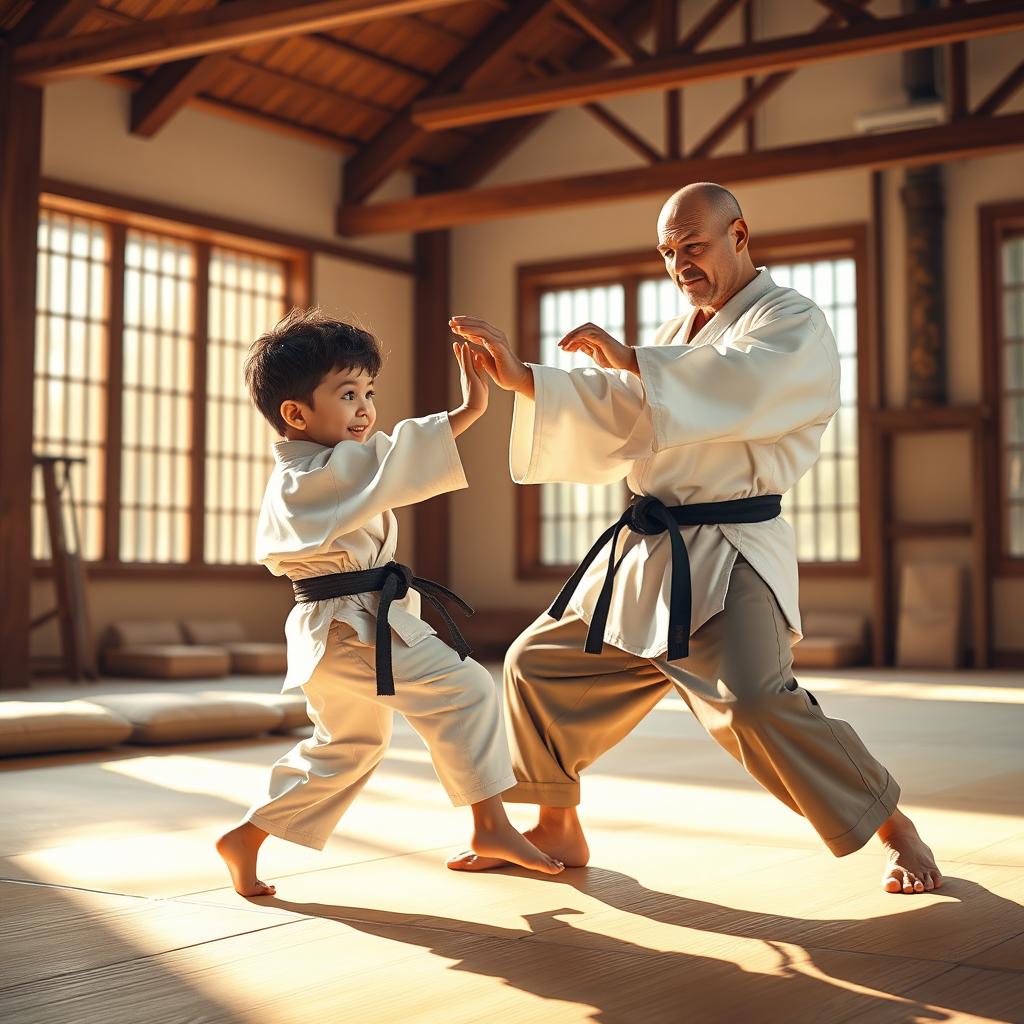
{"x":203,"y":234}
{"x":996,"y":221}
{"x":629,"y":269}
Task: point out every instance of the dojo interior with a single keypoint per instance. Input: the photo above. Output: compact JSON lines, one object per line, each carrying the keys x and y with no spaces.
{"x":176,"y":174}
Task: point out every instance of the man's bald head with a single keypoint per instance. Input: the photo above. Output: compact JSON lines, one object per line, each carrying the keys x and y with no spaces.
{"x":703,"y":238}
{"x":703,"y":200}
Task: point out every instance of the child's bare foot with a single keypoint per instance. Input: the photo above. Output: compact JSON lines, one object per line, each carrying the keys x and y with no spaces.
{"x":910,"y":865}
{"x":508,"y":846}
{"x":239,"y":848}
{"x":558,"y":834}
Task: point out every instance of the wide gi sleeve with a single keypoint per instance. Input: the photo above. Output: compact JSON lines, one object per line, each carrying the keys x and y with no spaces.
{"x":781,"y":375}
{"x":582,"y":426}
{"x":314,"y":505}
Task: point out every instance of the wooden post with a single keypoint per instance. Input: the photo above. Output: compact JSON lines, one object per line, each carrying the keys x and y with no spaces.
{"x":21,"y":124}
{"x":431,"y":366}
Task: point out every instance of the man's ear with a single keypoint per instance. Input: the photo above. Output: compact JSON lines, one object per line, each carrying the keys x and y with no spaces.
{"x":740,"y":234}
{"x":293,"y":414}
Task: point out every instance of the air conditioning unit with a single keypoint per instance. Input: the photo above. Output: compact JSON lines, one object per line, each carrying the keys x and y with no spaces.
{"x":922,"y":114}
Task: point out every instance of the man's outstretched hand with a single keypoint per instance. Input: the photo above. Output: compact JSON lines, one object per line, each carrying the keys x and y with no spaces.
{"x":597,"y":343}
{"x":504,"y":367}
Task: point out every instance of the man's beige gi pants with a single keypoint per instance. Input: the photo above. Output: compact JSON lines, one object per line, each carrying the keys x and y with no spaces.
{"x":452,"y":704}
{"x":564,"y":708}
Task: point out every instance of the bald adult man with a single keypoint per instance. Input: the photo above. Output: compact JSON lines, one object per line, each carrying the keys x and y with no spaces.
{"x":696,"y":585}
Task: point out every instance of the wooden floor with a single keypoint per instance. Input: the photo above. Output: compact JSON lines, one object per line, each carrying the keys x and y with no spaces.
{"x":706,"y":900}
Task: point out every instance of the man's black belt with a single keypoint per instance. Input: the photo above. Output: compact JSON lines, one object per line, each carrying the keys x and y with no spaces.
{"x":649,"y":516}
{"x":394,"y":581}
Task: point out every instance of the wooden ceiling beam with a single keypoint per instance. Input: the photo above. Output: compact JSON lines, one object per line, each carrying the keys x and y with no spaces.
{"x":393,"y":146}
{"x":163,"y":95}
{"x":1002,"y":92}
{"x":50,"y":18}
{"x":603,"y":30}
{"x":904,"y":32}
{"x":210,"y":30}
{"x":972,"y":136}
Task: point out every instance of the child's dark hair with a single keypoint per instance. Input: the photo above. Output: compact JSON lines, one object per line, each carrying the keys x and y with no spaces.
{"x":295,"y":355}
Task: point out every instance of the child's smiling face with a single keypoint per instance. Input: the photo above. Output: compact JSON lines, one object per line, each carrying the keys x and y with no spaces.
{"x":342,"y":409}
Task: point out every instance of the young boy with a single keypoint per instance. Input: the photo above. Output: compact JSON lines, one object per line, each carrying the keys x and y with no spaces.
{"x":326,"y":523}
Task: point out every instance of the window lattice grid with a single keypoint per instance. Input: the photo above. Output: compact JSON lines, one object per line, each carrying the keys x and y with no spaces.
{"x":1012,"y":392}
{"x":573,"y":515}
{"x":70,"y":400}
{"x":824,"y":506}
{"x":247,"y":296}
{"x":157,"y":400}
{"x":658,"y":300}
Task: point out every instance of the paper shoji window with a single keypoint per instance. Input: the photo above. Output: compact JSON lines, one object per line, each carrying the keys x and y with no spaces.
{"x":70,"y":398}
{"x":573,"y":515}
{"x":158,"y":353}
{"x":824,"y":506}
{"x":1012,"y":387}
{"x":247,"y":297}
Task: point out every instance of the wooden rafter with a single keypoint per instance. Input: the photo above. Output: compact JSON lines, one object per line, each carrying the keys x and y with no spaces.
{"x":711,"y":20}
{"x":749,"y":82}
{"x":904,"y":32}
{"x":1002,"y":92}
{"x":666,"y":36}
{"x":163,"y":95}
{"x":623,"y":132}
{"x":603,"y":29}
{"x":972,"y":136}
{"x":850,"y":12}
{"x":377,"y":60}
{"x":392,"y":147}
{"x":958,"y":102}
{"x":470,"y":166}
{"x":50,"y":18}
{"x":210,"y":30}
{"x":753,"y":99}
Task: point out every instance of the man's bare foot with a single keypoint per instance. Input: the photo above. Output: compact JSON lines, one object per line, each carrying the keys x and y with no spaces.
{"x":507,"y":846}
{"x":240,"y":848}
{"x":910,"y":865}
{"x":558,"y":834}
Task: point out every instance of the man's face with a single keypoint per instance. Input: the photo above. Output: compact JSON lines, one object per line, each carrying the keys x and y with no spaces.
{"x":702,"y":254}
{"x":342,"y":410}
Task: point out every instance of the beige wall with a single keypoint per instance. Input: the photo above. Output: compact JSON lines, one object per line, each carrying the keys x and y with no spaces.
{"x":933,"y":473}
{"x":204,"y":162}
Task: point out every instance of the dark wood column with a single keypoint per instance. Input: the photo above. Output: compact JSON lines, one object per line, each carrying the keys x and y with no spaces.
{"x":20,"y":124}
{"x":431,"y":368}
{"x":923,"y":200}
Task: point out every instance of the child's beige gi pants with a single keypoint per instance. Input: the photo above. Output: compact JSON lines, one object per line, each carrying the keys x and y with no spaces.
{"x":452,"y":704}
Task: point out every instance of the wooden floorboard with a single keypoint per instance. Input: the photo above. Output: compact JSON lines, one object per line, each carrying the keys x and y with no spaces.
{"x":705,"y":899}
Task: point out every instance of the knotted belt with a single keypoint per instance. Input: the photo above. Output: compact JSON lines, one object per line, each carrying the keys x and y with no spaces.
{"x":394,"y":581}
{"x":649,"y":516}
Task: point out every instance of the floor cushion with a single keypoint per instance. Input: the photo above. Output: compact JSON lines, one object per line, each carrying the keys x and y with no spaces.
{"x":291,"y":705}
{"x":167,"y":661}
{"x":35,"y":727}
{"x":185,"y":717}
{"x":248,"y":657}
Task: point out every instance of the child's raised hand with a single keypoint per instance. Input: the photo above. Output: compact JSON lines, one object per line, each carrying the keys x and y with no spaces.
{"x":506,"y":369}
{"x":472,"y":378}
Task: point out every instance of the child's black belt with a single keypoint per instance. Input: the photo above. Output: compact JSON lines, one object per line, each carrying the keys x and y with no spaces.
{"x":394,"y":581}
{"x":648,"y":515}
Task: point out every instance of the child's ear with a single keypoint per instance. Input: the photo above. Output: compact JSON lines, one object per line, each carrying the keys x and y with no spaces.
{"x":292,"y":414}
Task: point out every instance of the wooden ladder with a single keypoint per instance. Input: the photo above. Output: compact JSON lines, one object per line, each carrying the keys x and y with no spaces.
{"x":77,"y":648}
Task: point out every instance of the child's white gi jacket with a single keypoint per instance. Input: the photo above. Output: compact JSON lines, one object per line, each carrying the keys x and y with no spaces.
{"x":737,"y":412}
{"x":328,"y":510}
